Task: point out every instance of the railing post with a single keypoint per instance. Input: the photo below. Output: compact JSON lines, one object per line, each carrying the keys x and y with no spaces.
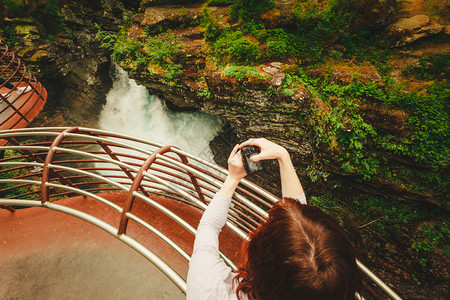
{"x":50,"y":155}
{"x":136,"y":184}
{"x":193,"y":179}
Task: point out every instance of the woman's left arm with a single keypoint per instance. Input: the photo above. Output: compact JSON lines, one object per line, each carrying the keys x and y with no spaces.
{"x":207,"y":269}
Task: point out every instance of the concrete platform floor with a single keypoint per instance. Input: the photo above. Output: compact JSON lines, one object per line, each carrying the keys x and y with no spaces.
{"x":49,"y":255}
{"x":83,"y":271}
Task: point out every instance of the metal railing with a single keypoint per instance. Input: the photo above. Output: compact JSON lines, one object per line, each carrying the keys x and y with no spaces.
{"x":18,"y":108}
{"x":40,"y":165}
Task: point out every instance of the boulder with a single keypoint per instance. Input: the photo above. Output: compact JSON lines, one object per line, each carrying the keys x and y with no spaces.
{"x":275,"y":70}
{"x":408,"y":30}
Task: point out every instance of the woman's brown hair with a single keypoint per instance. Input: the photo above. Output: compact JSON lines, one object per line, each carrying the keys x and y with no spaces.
{"x":298,"y":253}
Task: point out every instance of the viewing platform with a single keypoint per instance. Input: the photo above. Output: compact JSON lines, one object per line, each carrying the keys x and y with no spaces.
{"x":97,"y":192}
{"x":18,"y":108}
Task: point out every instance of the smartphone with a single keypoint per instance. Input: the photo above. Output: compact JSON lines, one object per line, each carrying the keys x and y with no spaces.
{"x":250,"y":166}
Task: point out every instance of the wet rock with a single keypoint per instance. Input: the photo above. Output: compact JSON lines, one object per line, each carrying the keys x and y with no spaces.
{"x":72,"y":66}
{"x":275,"y":69}
{"x":389,"y":120}
{"x":302,"y":95}
{"x":408,"y":30}
{"x":75,"y":15}
{"x":40,"y":55}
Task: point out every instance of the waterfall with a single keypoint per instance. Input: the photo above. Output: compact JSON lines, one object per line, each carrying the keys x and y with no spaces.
{"x":131,"y":110}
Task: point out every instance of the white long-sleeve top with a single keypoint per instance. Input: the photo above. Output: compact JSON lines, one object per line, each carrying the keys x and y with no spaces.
{"x":209,"y":277}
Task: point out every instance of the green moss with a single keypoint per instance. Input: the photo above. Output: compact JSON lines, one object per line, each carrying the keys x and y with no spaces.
{"x":430,"y":68}
{"x":242,"y":72}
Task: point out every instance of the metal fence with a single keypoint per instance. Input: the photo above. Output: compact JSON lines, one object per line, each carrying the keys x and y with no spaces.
{"x":41,"y":165}
{"x":18,"y":107}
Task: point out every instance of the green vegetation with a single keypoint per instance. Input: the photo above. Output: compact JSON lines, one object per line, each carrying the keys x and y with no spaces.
{"x":8,"y":33}
{"x":242,"y":72}
{"x":49,"y":16}
{"x":249,"y":9}
{"x":430,"y":68}
{"x":343,"y":129}
{"x":428,"y":123}
{"x":316,"y":28}
{"x":218,"y":2}
{"x":435,"y":236}
{"x":210,"y":25}
{"x":13,"y":7}
{"x":234,"y":47}
{"x":155,"y":55}
{"x":52,"y":20}
{"x":380,"y":217}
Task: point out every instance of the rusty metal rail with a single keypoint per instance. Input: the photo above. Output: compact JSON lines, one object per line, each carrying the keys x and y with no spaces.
{"x":40,"y":165}
{"x":18,"y":108}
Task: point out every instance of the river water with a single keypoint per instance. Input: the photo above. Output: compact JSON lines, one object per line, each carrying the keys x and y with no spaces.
{"x":131,"y":110}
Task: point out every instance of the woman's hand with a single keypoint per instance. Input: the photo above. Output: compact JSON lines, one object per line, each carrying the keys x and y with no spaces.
{"x":269,"y":150}
{"x":236,"y":172}
{"x":235,"y":164}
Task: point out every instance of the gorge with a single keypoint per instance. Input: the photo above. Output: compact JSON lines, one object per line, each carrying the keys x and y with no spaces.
{"x":364,"y":112}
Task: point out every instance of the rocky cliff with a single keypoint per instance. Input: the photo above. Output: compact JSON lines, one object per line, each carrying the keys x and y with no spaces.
{"x":259,"y":102}
{"x":65,"y":54}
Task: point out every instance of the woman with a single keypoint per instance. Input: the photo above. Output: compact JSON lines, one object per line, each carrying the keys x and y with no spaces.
{"x":298,"y":253}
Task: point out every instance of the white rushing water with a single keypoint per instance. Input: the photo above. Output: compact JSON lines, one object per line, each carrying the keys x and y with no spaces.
{"x":131,"y":110}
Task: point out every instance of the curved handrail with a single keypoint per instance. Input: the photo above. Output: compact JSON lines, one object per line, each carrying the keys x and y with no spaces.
{"x":18,"y":109}
{"x":45,"y":164}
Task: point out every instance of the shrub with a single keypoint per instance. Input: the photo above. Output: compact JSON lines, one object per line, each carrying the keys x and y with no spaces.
{"x":429,"y":140}
{"x":234,"y":47}
{"x":279,"y":44}
{"x":247,"y":10}
{"x":210,"y":25}
{"x":319,"y":26}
